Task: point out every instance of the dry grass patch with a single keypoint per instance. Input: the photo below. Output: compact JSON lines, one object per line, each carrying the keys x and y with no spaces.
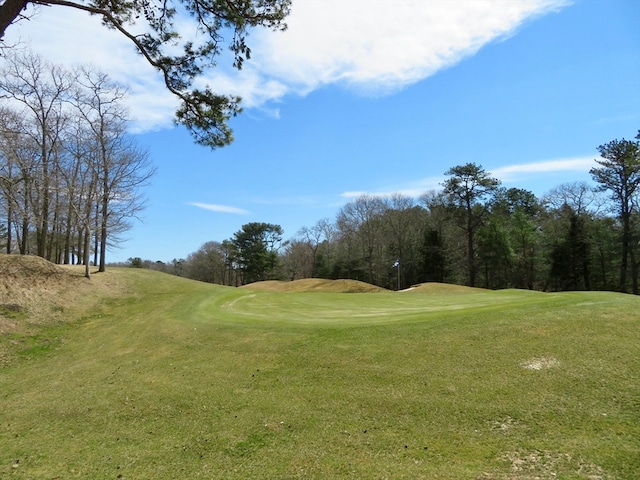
{"x":315,"y":285}
{"x":545,"y":465}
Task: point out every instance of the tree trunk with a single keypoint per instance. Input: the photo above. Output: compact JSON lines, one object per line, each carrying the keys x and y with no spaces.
{"x":42,"y":225}
{"x":634,"y":272}
{"x":9,"y":223}
{"x":24,"y":244}
{"x":66,"y":250}
{"x":80,"y":247}
{"x":625,"y":252}
{"x":51,"y":252}
{"x":87,"y":249}
{"x":9,"y":11}
{"x":471,"y":252}
{"x":96,"y":238}
{"x":103,"y":234}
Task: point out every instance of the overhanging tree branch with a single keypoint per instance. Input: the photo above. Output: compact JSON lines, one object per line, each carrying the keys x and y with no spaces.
{"x":204,"y":112}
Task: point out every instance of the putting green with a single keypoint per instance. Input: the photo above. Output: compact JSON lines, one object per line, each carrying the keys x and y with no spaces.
{"x":351,"y":309}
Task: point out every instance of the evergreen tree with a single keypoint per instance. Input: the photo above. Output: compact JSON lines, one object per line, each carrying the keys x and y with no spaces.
{"x":619,"y":174}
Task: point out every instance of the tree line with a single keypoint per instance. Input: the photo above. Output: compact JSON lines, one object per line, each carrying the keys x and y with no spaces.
{"x":70,"y":173}
{"x":472,"y":232}
{"x":70,"y":178}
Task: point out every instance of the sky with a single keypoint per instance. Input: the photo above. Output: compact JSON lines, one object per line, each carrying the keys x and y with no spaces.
{"x":370,"y":96}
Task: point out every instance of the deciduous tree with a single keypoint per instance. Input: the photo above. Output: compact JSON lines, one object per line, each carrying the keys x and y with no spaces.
{"x":120,"y":167}
{"x":402,"y":222}
{"x":313,"y":238}
{"x":37,"y":90}
{"x":362,"y":219}
{"x":68,"y":167}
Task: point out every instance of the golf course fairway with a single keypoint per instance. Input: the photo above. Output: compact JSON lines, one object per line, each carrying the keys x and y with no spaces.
{"x":143,"y":375}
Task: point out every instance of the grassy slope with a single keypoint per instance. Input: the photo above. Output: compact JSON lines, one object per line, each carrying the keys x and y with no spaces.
{"x":178,"y":379}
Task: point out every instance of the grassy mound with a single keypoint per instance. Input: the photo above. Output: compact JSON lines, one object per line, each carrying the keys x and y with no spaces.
{"x":167,"y":378}
{"x":33,"y":290}
{"x":36,"y":294}
{"x":315,"y":285}
{"x":435,"y":288}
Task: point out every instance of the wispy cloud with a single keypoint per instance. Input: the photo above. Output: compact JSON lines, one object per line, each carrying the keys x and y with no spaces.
{"x":507,"y":174}
{"x":376,"y":47}
{"x":220,"y":208}
{"x":354,"y":194}
{"x":413,"y":189}
{"x":574,"y":164}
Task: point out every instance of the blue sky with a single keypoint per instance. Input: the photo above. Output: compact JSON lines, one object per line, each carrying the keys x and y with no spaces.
{"x":374,"y":97}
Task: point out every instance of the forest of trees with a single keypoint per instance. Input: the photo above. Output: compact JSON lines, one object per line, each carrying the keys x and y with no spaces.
{"x":472,"y":232}
{"x":70,"y":173}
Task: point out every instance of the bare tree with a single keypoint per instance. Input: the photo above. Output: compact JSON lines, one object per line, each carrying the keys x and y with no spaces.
{"x":39,"y":90}
{"x":362,"y":218}
{"x":399,"y":220}
{"x":314,"y":237}
{"x":9,"y":169}
{"x":19,"y":172}
{"x":119,"y":166}
{"x":580,"y":196}
{"x":69,"y":169}
{"x":298,"y":260}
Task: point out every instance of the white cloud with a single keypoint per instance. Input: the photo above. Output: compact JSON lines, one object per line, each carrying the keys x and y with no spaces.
{"x":354,"y":194}
{"x":412,"y":189}
{"x":385,"y":45}
{"x":507,"y":174}
{"x":220,"y":208}
{"x":575,"y":164}
{"x":376,"y":47}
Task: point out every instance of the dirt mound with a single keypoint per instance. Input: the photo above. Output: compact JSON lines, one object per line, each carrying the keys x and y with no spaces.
{"x":315,"y":285}
{"x":21,"y":267}
{"x":435,"y":288}
{"x":34,"y":291}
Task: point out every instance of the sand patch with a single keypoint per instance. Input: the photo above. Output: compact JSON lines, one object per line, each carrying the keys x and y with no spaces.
{"x":540,"y":363}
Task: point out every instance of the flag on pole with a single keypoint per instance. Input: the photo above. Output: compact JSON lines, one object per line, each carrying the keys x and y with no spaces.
{"x":396,"y":263}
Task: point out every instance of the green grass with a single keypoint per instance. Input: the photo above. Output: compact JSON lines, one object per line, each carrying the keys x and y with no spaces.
{"x":178,"y":379}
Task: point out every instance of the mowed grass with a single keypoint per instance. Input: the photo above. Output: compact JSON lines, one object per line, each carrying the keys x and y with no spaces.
{"x":174,"y":379}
